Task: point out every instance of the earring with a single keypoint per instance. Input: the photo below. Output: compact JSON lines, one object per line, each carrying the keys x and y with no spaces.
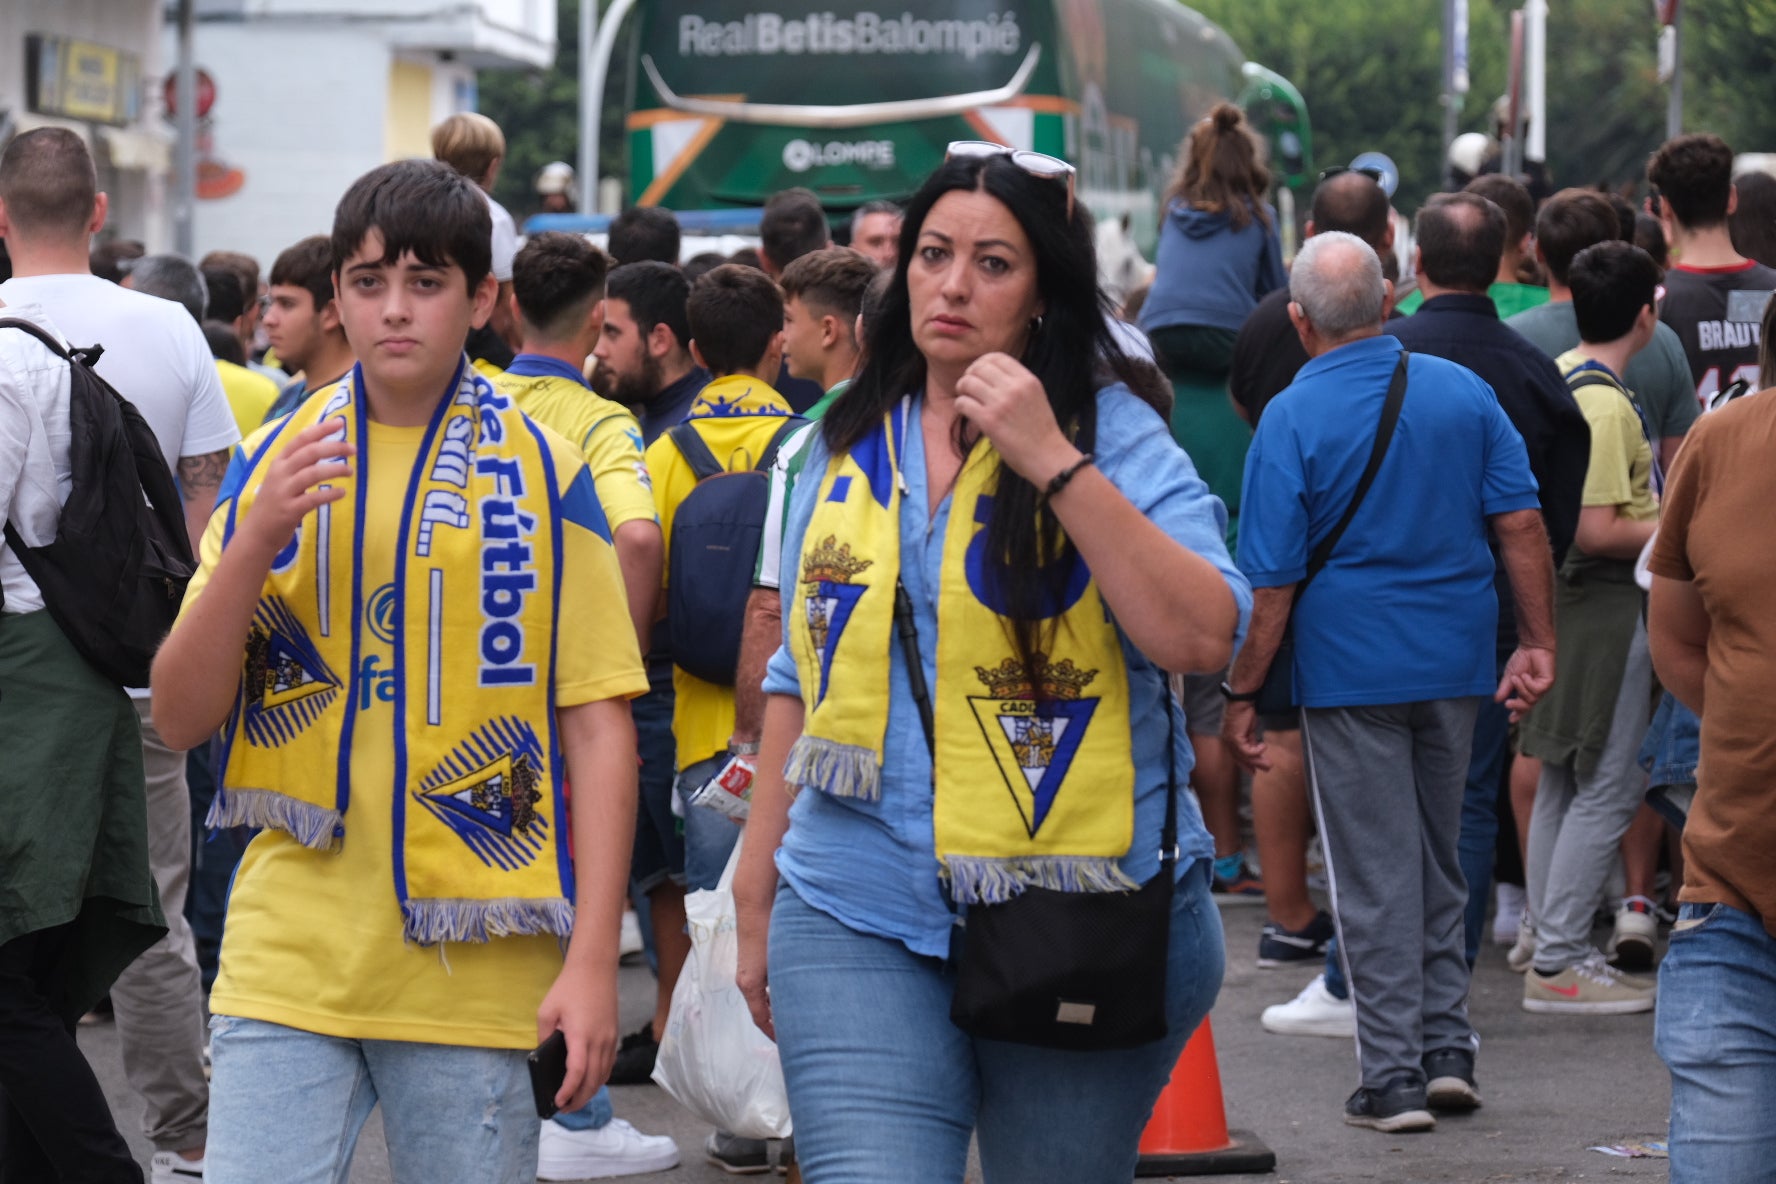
{"x":1036,"y":324}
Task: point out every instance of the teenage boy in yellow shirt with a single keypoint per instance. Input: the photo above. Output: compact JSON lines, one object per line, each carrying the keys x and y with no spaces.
{"x":407,"y":625}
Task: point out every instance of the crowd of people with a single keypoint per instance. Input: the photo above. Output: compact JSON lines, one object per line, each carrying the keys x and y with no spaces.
{"x":487,"y":661}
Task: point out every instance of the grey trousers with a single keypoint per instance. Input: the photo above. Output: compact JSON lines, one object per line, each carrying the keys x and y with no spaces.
{"x":1387,"y":785}
{"x":1579,"y":821}
{"x":159,"y":999}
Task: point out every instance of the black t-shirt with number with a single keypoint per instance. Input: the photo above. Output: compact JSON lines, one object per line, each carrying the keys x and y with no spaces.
{"x":1716,"y":312}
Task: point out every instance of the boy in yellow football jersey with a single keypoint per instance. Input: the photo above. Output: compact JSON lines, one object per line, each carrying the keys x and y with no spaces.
{"x":406,"y":625}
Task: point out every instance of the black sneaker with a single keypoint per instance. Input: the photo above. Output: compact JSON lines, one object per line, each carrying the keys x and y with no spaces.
{"x":1284,"y":947}
{"x":1450,"y":1074}
{"x":635,"y":1058}
{"x":1395,"y":1107}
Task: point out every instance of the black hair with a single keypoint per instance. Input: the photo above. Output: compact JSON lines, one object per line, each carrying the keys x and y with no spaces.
{"x":655,"y":293}
{"x":112,"y":260}
{"x":1694,"y":176}
{"x":226,"y":300}
{"x":1570,"y":221}
{"x":557,"y":278}
{"x":1354,"y":203}
{"x":1625,"y":215}
{"x":1461,"y":238}
{"x":734,"y":312}
{"x":1753,"y":221}
{"x":1649,"y":236}
{"x":420,"y":206}
{"x":1611,"y":282}
{"x":1512,"y":197}
{"x":224,"y":345}
{"x":308,"y":265}
{"x":643,"y":233}
{"x":792,"y":225}
{"x":701,"y":264}
{"x":1031,"y":558}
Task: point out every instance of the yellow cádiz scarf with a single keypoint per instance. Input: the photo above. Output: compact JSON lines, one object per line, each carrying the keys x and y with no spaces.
{"x":477,"y":794}
{"x":1031,"y":790}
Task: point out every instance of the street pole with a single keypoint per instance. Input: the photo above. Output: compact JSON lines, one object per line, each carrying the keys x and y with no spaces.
{"x":1535,"y":145}
{"x":589,"y":109}
{"x":1450,"y":100}
{"x":1674,"y":109}
{"x":185,"y":151}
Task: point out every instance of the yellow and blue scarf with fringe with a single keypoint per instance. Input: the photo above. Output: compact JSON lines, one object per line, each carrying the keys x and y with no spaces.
{"x":478,"y":788}
{"x":1034,"y":782}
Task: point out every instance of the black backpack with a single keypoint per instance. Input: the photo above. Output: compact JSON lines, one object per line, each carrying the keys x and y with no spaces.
{"x":115,"y":575}
{"x":715,"y":544}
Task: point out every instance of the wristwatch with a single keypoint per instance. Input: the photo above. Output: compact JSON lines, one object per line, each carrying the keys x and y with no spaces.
{"x":1233,"y":696}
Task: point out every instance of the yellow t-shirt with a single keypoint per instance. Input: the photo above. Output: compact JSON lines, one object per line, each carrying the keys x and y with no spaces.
{"x":249,"y":393}
{"x":608,"y":436}
{"x":736,"y":416}
{"x":1621,"y":468}
{"x":314,"y":938}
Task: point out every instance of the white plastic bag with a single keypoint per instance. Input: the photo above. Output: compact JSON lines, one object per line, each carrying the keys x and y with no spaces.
{"x":713,"y":1059}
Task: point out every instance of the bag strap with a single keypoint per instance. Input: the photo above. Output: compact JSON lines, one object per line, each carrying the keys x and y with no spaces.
{"x":696,"y":453}
{"x":908,"y":632}
{"x":1384,"y":434}
{"x":769,"y":458}
{"x":1578,"y":380}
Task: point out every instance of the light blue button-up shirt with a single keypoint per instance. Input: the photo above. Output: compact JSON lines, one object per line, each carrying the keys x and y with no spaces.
{"x":873,"y":865}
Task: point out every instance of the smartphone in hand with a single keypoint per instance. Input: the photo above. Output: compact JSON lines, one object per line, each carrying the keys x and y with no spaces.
{"x":548,"y":1070}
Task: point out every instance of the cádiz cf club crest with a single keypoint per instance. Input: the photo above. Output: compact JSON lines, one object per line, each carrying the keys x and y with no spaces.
{"x":829,"y":598}
{"x":1034,"y":742}
{"x":285,"y":684}
{"x":486,"y":791}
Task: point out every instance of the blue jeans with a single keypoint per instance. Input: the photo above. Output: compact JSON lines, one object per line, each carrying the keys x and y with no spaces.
{"x":709,"y":835}
{"x":286,"y":1107}
{"x":885,"y":1088}
{"x":1479,"y":817}
{"x":594,"y":1115}
{"x":1716,"y":1031}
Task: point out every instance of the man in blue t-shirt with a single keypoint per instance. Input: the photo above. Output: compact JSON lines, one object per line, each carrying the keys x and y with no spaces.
{"x":1393,"y":652}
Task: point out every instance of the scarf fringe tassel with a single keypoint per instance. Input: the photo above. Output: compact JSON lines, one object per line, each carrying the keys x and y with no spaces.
{"x":976,"y":879}
{"x":841,"y":770}
{"x":432,"y":921}
{"x":315,"y":827}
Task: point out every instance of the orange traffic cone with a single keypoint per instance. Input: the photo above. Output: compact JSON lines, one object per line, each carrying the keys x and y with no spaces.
{"x":1188,"y":1135}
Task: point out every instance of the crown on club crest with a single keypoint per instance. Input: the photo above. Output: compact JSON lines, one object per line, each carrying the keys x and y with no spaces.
{"x":1010,"y":681}
{"x":832,"y":563}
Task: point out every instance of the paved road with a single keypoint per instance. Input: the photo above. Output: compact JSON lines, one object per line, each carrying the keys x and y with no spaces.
{"x":1553,"y":1086}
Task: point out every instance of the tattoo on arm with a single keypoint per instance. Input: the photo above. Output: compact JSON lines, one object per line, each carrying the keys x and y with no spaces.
{"x":202,"y":474}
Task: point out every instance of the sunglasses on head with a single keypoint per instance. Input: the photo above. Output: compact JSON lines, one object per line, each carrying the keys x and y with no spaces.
{"x":1373,"y":174}
{"x":1037,"y":164}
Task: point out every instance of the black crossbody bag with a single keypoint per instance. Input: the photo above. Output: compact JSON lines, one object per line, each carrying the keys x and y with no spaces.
{"x":1277,"y":695}
{"x":1084,"y":971}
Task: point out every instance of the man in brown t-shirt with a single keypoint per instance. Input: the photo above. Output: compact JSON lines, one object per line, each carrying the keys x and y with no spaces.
{"x":1713,"y":638}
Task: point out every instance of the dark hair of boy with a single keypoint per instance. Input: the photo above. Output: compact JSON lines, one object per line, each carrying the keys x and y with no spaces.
{"x":656,"y":294}
{"x":734,"y":313}
{"x":48,"y":183}
{"x":422,"y":207}
{"x":557,"y":278}
{"x":643,"y":233}
{"x":1570,"y":221}
{"x":1511,"y":196}
{"x":227,"y":302}
{"x":1694,"y":176}
{"x":1461,"y":238}
{"x":746,"y":257}
{"x":792,"y":225}
{"x":1649,"y":236}
{"x":701,"y":264}
{"x":1625,"y":215}
{"x":224,"y":343}
{"x":830,"y":282}
{"x":308,"y":264}
{"x":1611,"y":282}
{"x":239,"y":262}
{"x":1753,"y":220}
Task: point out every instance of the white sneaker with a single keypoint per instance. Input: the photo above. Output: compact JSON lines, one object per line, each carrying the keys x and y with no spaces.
{"x":629,"y":937}
{"x":1522,"y":955}
{"x":1634,"y":946}
{"x":1314,"y":1012}
{"x":1507,"y":918}
{"x":615,"y":1149}
{"x":169,"y":1167}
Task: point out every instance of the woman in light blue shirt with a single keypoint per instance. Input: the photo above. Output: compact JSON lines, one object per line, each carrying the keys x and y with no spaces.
{"x":1093,"y":562}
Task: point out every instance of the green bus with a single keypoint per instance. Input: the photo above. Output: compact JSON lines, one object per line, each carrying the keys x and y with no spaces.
{"x":733,"y":100}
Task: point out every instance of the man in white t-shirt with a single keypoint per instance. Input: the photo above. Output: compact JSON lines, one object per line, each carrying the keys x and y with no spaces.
{"x":156,"y":357}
